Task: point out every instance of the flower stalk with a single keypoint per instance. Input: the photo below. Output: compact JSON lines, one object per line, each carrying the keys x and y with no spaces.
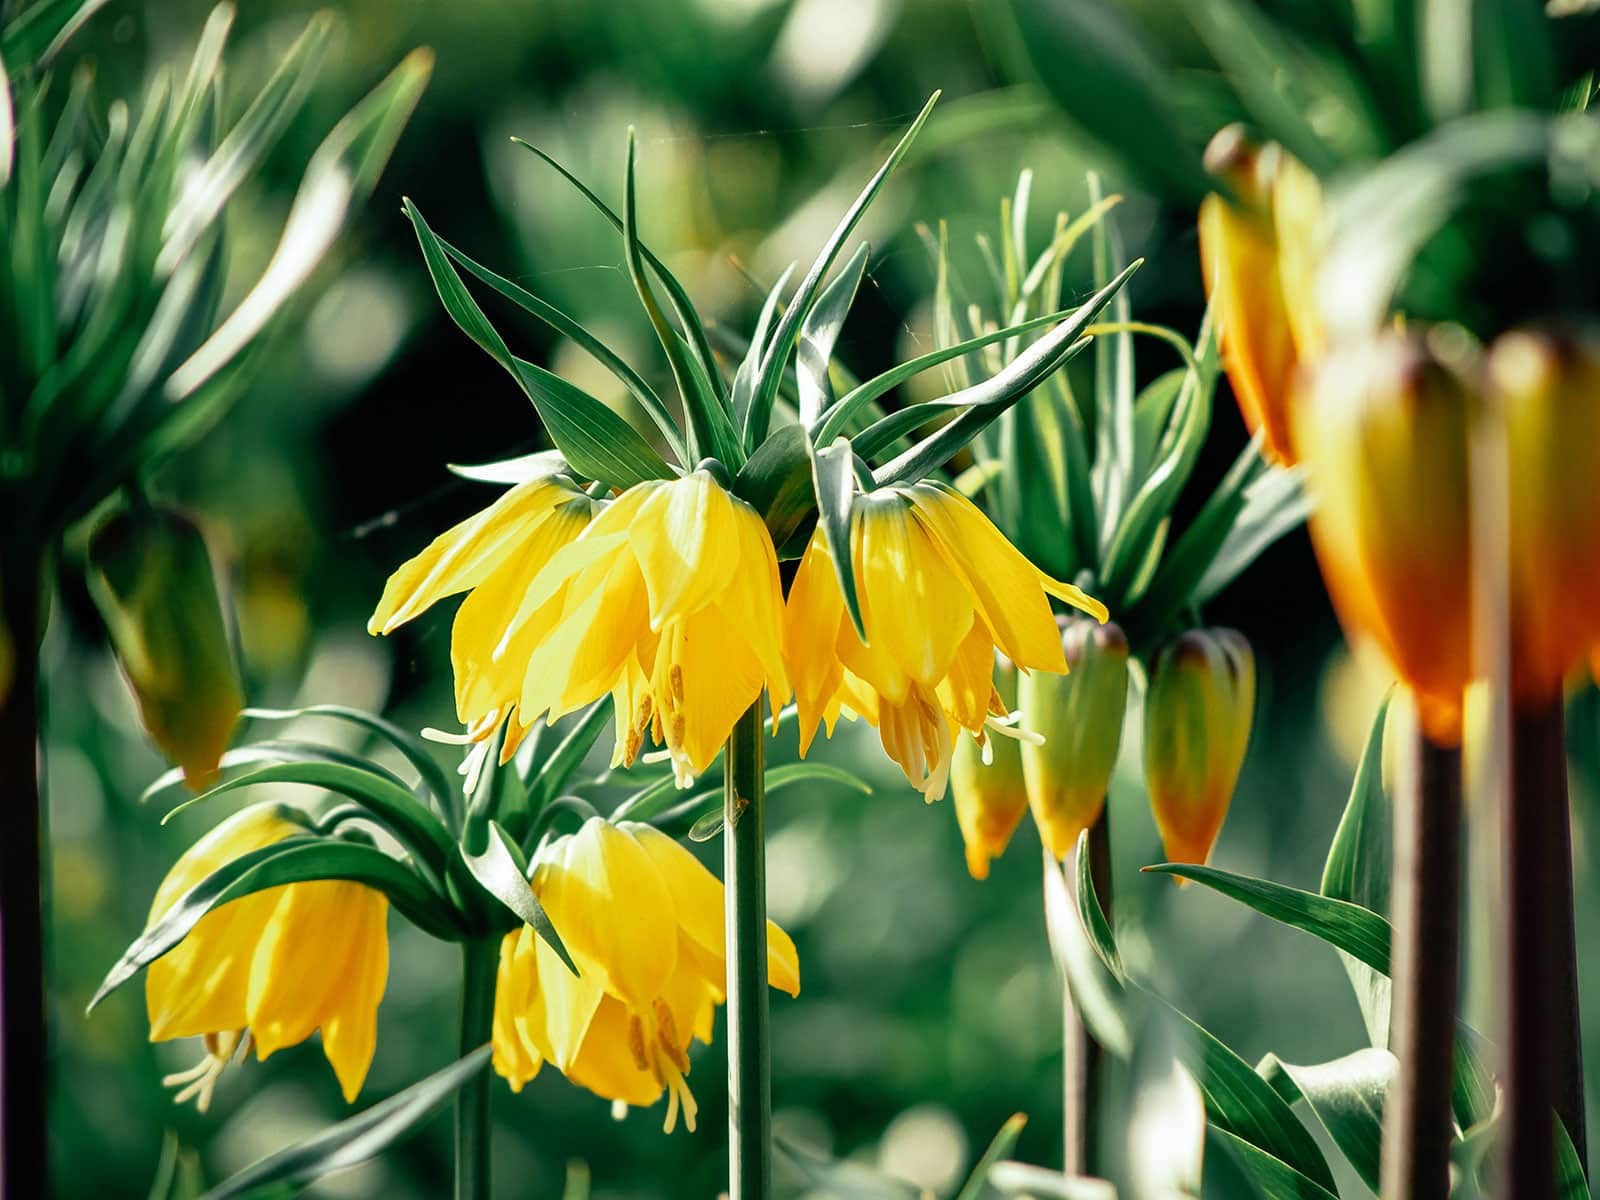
{"x":1426,"y":891}
{"x":23,"y":1095}
{"x":1081,"y":1054}
{"x":479,"y":960}
{"x":749,"y":1035}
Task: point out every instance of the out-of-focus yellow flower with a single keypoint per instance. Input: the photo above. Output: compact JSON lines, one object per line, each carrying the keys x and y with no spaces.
{"x":1196,"y":726}
{"x":1382,"y":431}
{"x":151,"y":578}
{"x":1546,"y":384}
{"x":643,"y":921}
{"x":986,"y":785}
{"x":941,"y":590}
{"x":495,"y":554}
{"x":272,"y":968}
{"x":1079,"y":716}
{"x":1259,"y":254}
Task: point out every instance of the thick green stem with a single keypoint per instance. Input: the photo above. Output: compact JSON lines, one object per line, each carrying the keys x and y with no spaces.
{"x":1081,"y":1054}
{"x":745,"y":873}
{"x":1426,"y":898}
{"x":479,"y":960}
{"x":24,"y":1159}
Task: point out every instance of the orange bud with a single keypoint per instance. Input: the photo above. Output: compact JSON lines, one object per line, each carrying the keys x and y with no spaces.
{"x":1381,"y":428}
{"x":1258,"y":253}
{"x":1196,"y":726}
{"x":989,"y":797}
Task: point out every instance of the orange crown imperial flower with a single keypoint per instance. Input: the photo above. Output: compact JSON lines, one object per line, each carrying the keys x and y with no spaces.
{"x":941,"y":589}
{"x":1197,"y":720}
{"x":986,"y":785}
{"x":1258,"y":252}
{"x":643,"y":921}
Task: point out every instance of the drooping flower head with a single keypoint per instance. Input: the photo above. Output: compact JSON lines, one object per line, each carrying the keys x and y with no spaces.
{"x":271,"y":968}
{"x":940,"y":590}
{"x":643,"y":921}
{"x":986,"y":785}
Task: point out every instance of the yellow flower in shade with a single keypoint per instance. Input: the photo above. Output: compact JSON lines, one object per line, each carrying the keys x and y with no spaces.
{"x":1546,"y":384}
{"x":1197,"y":719}
{"x":1079,"y":716}
{"x":495,"y":555}
{"x":986,"y":785}
{"x":1258,"y":254}
{"x":643,"y":921}
{"x":1382,"y":431}
{"x":941,"y":590}
{"x":270,"y":969}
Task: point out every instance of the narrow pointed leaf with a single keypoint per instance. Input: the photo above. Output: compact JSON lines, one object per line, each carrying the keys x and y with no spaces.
{"x":1274,"y":505}
{"x":1095,"y":923}
{"x":552,"y":775}
{"x":1347,"y":1095}
{"x":1274,"y":1179}
{"x":744,"y":379}
{"x":776,"y":482}
{"x":818,"y":333}
{"x":1097,"y":995}
{"x":274,"y":750}
{"x":498,"y":871}
{"x":411,"y":748}
{"x":38,"y":34}
{"x":834,"y":482}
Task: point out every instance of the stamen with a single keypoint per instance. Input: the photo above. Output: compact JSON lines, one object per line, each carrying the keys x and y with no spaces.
{"x":1009,"y":728}
{"x":636,"y":1043}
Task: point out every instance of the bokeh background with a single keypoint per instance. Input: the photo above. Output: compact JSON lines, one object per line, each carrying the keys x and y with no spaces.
{"x":930,"y":1010}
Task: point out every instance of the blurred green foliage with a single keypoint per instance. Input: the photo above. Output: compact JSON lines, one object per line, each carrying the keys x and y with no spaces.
{"x":930,"y":1008}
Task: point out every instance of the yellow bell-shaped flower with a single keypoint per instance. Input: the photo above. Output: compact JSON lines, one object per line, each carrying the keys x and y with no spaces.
{"x":272,"y":968}
{"x":941,"y":589}
{"x":643,"y":922}
{"x":1258,"y":253}
{"x":1079,"y":717}
{"x":1197,"y":717}
{"x":495,"y":555}
{"x":986,"y":785}
{"x":1382,"y":431}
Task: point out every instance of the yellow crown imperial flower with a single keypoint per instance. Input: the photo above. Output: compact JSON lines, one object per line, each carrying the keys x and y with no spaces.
{"x":1382,"y":430}
{"x":986,"y":785}
{"x":941,"y":590}
{"x":495,"y":555}
{"x":643,"y":922}
{"x":1546,"y":384}
{"x":1079,"y":715}
{"x":1258,"y":253}
{"x":150,"y":575}
{"x":269,"y":969}
{"x":1196,"y":726}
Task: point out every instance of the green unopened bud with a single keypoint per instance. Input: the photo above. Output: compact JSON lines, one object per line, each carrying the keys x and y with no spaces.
{"x":1079,"y":715}
{"x":151,"y":579}
{"x":1196,"y":726}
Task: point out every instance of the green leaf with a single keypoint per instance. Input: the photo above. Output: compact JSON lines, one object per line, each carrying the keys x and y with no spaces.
{"x":744,"y":379}
{"x":500,"y":873}
{"x":1273,"y":1178}
{"x":293,"y":860}
{"x":274,"y":750}
{"x":1024,"y":1179}
{"x":353,"y":1140}
{"x":776,"y":482}
{"x":550,"y":778}
{"x":1274,"y":504}
{"x":775,"y":359}
{"x":1095,"y":923}
{"x":596,"y":441}
{"x":834,"y":483}
{"x":711,"y":431}
{"x":1003,"y":1143}
{"x":653,"y":804}
{"x":178,"y":1175}
{"x":1055,"y":347}
{"x":341,"y":174}
{"x":1151,"y":411}
{"x":818,"y":333}
{"x":37,"y":34}
{"x":1570,"y":1181}
{"x":1097,"y":995}
{"x":1347,"y":1094}
{"x":828,"y":1176}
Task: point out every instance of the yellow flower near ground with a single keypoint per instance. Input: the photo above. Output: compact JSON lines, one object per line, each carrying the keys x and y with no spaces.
{"x":643,"y":921}
{"x":495,"y":555}
{"x":270,"y":969}
{"x":941,"y":589}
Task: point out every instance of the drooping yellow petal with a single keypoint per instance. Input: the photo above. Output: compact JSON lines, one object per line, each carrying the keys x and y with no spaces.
{"x":515,"y":1058}
{"x":811,"y":634}
{"x":704,"y":682}
{"x":686,"y":539}
{"x":350,"y":1031}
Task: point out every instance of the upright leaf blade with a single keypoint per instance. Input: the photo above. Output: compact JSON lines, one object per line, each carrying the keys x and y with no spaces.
{"x":833,"y":478}
{"x":499,"y":873}
{"x":1347,"y":1095}
{"x":818,"y":333}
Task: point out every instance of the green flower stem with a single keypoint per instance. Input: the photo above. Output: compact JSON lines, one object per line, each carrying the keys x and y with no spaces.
{"x":1081,"y":1054}
{"x":1543,"y":1051}
{"x":745,"y":874}
{"x":24,"y":1107}
{"x":478,"y":966}
{"x":1426,"y":897}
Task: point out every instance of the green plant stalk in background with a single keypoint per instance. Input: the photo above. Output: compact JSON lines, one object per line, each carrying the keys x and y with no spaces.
{"x":479,"y":959}
{"x":744,"y":864}
{"x":1082,"y":1057}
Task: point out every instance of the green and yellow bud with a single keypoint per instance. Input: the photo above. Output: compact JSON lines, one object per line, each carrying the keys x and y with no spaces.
{"x":151,"y":578}
{"x":1382,"y":429}
{"x":986,"y":782}
{"x":1196,"y":726}
{"x":1079,"y":715}
{"x":1258,"y":253}
{"x":1546,"y":385}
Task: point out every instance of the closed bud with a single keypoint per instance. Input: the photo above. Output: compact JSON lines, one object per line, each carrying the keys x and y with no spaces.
{"x":1258,"y":252}
{"x":151,"y":579}
{"x":986,"y":783}
{"x":1547,"y":386}
{"x":1079,"y":715}
{"x":1382,"y":429}
{"x":1196,"y":726}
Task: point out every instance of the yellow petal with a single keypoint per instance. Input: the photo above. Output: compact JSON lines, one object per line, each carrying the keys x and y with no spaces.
{"x":704,"y":682}
{"x":514,"y":1058}
{"x":350,"y":1030}
{"x":811,"y":633}
{"x":915,"y":608}
{"x":685,"y":537}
